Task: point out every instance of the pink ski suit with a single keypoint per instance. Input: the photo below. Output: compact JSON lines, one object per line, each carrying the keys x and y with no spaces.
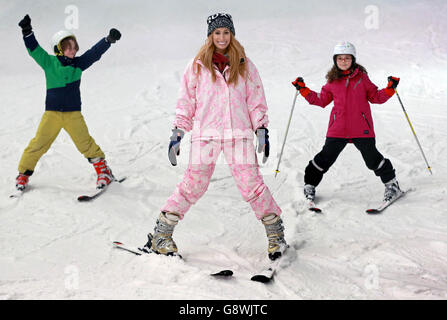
{"x":351,"y":114}
{"x":222,"y":117}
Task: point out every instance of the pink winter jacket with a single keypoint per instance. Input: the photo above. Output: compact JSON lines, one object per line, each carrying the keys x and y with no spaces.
{"x":218,"y":111}
{"x":351,"y":114}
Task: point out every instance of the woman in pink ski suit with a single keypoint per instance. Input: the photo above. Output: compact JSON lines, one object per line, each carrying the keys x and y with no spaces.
{"x":351,"y":90}
{"x":222,"y":103}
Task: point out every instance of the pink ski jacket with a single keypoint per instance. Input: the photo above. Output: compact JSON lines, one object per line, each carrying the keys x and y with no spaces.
{"x":217,"y":110}
{"x":351,"y":115}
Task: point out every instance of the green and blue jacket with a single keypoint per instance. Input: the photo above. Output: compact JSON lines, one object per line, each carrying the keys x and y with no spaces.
{"x":63,"y":75}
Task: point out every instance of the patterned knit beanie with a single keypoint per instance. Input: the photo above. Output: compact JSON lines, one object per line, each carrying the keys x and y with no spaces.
{"x":220,"y":20}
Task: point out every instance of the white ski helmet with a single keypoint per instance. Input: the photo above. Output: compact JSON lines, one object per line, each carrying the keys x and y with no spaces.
{"x":57,"y":39}
{"x":345,"y":48}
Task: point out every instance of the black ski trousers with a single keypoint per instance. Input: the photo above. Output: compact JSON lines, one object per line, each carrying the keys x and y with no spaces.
{"x":334,"y":146}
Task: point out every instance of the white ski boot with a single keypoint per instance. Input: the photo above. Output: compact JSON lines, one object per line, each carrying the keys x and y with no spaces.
{"x":161,"y":241}
{"x":392,"y":191}
{"x":275,"y":234}
{"x":309,"y":192}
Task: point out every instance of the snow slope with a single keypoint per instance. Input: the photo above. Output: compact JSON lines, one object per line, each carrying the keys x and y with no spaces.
{"x":52,"y":246}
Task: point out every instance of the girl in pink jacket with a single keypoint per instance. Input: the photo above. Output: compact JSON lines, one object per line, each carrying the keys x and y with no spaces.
{"x":222,"y":102}
{"x":351,"y":90}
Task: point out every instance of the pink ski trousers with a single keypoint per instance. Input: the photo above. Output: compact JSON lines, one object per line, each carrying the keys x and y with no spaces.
{"x":241,"y":157}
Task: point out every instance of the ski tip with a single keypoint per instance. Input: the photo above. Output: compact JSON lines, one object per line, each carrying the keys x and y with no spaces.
{"x":17,"y":194}
{"x":315,"y":209}
{"x":261,"y":278}
{"x":171,"y":255}
{"x":223,"y":273}
{"x":84,"y":198}
{"x":373,"y":211}
{"x":121,"y":180}
{"x":117,"y":243}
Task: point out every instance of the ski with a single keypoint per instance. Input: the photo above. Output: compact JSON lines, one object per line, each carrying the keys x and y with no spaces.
{"x":223,"y":274}
{"x":266,"y":275}
{"x":312,"y":207}
{"x":99,"y":192}
{"x":139,"y":251}
{"x":17,"y":194}
{"x":385,"y":204}
{"x":122,"y":246}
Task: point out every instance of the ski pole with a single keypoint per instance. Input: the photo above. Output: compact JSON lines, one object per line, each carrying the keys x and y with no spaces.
{"x":287,"y":131}
{"x":414,"y":133}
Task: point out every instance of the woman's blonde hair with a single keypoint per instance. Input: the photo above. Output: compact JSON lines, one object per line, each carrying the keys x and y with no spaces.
{"x":236,"y":55}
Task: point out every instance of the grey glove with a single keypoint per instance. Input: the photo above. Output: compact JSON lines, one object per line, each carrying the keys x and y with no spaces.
{"x":174,"y":145}
{"x":263,"y":142}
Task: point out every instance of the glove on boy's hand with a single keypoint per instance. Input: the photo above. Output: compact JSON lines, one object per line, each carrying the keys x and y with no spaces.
{"x":174,"y":145}
{"x":114,"y":35}
{"x":301,"y":86}
{"x":392,"y":84}
{"x":263,"y":142}
{"x":25,"y":24}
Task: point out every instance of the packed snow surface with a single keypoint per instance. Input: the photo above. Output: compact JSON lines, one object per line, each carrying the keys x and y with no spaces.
{"x":54,"y":247}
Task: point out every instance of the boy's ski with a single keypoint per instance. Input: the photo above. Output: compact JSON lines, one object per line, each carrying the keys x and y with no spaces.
{"x":17,"y":194}
{"x":385,"y":204}
{"x":99,"y":192}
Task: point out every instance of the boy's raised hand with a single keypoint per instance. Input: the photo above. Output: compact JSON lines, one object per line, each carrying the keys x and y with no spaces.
{"x":113,"y":36}
{"x":25,"y":24}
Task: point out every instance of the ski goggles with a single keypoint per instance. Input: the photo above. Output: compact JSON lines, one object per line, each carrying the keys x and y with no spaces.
{"x":218,"y":15}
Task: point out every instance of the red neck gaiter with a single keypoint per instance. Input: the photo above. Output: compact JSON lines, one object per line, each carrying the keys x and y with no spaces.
{"x":220,"y":61}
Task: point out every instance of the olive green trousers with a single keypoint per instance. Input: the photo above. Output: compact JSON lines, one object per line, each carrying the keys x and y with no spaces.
{"x":51,"y":124}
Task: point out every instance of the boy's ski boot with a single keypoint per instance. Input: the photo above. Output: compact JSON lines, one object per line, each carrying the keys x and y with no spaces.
{"x":22,"y":181}
{"x":105,"y":176}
